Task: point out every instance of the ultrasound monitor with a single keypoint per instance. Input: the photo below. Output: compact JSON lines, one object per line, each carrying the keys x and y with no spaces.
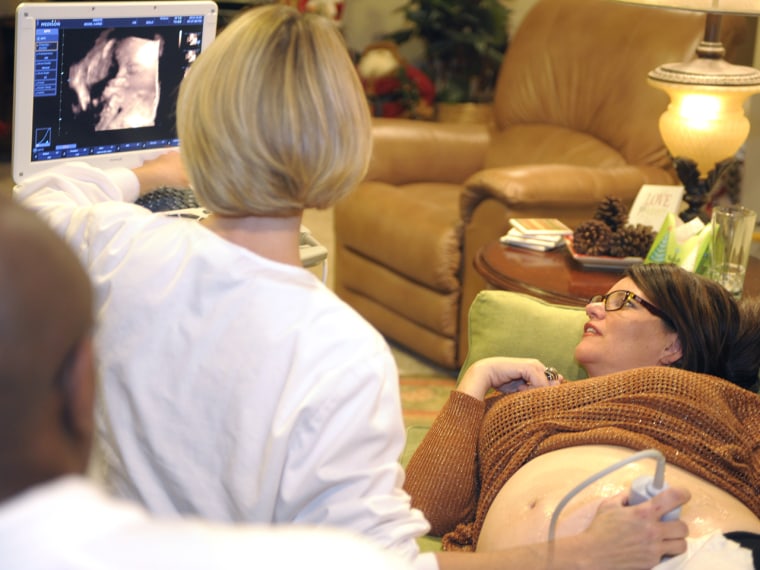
{"x":98,"y":82}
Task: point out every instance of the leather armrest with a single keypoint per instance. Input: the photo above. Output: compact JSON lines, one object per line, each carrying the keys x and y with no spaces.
{"x":407,"y":151}
{"x":557,"y":185}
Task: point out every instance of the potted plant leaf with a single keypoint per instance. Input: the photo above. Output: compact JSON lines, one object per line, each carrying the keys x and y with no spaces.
{"x":464,"y":42}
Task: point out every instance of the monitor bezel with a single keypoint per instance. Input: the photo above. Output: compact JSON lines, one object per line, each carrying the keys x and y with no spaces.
{"x":27,"y":14}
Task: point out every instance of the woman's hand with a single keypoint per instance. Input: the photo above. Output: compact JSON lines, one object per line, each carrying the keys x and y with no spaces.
{"x":506,"y":375}
{"x":164,"y":170}
{"x":624,"y":537}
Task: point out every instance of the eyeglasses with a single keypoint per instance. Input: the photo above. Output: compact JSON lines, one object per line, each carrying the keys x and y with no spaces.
{"x":616,"y":300}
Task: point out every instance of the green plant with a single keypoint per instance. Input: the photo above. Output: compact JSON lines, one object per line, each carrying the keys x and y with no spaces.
{"x":464,"y":40}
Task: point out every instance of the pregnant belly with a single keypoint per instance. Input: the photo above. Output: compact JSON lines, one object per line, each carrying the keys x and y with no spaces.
{"x":523,"y":509}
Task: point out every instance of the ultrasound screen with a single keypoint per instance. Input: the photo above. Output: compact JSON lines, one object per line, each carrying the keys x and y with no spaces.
{"x":109,"y":85}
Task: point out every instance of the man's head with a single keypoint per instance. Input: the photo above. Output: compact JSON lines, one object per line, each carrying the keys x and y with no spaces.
{"x":46,"y":363}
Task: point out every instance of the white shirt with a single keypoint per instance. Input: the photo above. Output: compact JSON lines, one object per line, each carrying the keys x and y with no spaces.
{"x":232,"y":387}
{"x":69,"y":524}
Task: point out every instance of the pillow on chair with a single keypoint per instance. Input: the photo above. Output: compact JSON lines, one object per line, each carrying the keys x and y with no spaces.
{"x":503,"y":323}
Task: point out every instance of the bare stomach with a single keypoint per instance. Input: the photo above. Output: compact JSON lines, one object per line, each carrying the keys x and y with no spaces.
{"x":522,"y":510}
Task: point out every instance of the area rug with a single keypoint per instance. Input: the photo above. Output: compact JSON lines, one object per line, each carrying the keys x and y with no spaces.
{"x":411,"y":364}
{"x":422,"y":397}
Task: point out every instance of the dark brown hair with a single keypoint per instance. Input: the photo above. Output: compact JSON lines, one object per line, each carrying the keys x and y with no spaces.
{"x":718,"y":335}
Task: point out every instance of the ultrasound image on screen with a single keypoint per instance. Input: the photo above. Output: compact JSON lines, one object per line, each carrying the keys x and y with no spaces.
{"x":116,"y":82}
{"x":115,"y":89}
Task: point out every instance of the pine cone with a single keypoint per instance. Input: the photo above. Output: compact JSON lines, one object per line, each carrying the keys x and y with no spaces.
{"x":632,"y":241}
{"x":613,"y":212}
{"x":592,"y":238}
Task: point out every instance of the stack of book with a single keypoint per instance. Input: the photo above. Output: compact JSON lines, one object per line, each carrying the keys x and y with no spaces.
{"x":539,"y":234}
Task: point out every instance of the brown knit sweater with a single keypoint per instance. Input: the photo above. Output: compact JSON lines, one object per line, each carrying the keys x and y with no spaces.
{"x":701,"y":423}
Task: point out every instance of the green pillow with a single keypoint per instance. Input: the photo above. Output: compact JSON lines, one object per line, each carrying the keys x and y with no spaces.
{"x":504,"y":323}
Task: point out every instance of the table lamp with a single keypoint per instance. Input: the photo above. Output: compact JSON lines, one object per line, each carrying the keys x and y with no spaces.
{"x":704,"y":125}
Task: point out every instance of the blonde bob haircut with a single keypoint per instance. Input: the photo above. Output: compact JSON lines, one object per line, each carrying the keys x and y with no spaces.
{"x":272,"y":118}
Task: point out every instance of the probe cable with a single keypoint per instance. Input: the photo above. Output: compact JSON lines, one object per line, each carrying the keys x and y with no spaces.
{"x":658,"y":483}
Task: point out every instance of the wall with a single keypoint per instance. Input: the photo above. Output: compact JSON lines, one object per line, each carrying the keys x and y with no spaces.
{"x":8,"y":7}
{"x":365,"y":22}
{"x":751,"y":184}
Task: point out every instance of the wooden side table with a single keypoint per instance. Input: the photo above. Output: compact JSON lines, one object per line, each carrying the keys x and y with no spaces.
{"x":556,"y":277}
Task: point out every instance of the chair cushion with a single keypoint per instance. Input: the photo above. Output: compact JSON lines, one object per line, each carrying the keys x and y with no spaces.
{"x":503,"y":323}
{"x":414,"y":230}
{"x":535,"y":143}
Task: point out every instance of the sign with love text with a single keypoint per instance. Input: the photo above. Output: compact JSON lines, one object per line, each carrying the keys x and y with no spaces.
{"x":653,"y":203}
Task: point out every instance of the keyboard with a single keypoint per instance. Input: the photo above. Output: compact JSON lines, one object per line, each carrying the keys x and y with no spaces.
{"x":165,"y":199}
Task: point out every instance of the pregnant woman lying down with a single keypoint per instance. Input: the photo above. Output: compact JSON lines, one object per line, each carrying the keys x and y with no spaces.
{"x":502,"y":464}
{"x":490,"y":474}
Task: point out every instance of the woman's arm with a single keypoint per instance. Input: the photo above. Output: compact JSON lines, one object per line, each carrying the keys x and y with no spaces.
{"x":65,"y":197}
{"x":165,"y":170}
{"x":442,"y":474}
{"x":619,"y":538}
{"x":506,"y":375}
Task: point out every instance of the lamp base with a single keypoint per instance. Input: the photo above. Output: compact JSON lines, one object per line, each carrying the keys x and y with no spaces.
{"x":698,"y":190}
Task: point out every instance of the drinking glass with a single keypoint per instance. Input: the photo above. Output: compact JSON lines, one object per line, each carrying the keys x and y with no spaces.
{"x":730,"y":246}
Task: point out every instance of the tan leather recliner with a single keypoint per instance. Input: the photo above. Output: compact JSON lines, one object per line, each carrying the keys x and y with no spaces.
{"x":574,"y":121}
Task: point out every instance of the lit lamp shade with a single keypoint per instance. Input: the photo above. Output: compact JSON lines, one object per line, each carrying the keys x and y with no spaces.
{"x":704,"y":122}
